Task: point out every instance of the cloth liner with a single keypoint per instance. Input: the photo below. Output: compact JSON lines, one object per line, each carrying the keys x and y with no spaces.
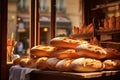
{"x":17,"y":72}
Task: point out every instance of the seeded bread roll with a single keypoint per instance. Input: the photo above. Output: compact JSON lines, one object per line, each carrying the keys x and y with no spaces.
{"x":64,"y":65}
{"x":66,"y":42}
{"x":42,"y":51}
{"x":91,"y":51}
{"x":51,"y":63}
{"x":86,"y":65}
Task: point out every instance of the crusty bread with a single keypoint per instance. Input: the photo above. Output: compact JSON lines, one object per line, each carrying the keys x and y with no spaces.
{"x":66,"y":53}
{"x":86,"y":65}
{"x":16,"y":61}
{"x":42,"y":51}
{"x":111,"y":64}
{"x":31,"y":63}
{"x":41,"y":63}
{"x":51,"y":63}
{"x":64,"y":65}
{"x":91,"y":51}
{"x":66,"y":42}
{"x":23,"y":62}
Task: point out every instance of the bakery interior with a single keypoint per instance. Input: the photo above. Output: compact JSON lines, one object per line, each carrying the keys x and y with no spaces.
{"x":59,"y":39}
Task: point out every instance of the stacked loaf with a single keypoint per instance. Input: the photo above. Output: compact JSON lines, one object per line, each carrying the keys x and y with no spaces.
{"x":67,"y":54}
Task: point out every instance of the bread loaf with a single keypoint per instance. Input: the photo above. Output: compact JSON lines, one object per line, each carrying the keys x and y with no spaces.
{"x":86,"y":65}
{"x":66,"y":53}
{"x":42,"y":51}
{"x":66,"y":42}
{"x":41,"y":63}
{"x":112,"y":64}
{"x":51,"y":63}
{"x":91,"y":51}
{"x":64,"y":65}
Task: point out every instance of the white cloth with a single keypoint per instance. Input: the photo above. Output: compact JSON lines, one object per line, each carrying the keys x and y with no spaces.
{"x":18,"y":73}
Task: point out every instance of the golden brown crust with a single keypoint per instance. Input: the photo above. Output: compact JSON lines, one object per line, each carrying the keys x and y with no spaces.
{"x":64,"y":65}
{"x":66,"y":42}
{"x":51,"y":63}
{"x":111,"y":64}
{"x":16,"y":61}
{"x":91,"y":51}
{"x":41,"y":63}
{"x":86,"y":65}
{"x":66,"y":53}
{"x":23,"y":62}
{"x":42,"y":51}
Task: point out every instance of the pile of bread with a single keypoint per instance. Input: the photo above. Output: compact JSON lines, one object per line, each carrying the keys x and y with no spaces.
{"x":112,"y":23}
{"x":67,"y":54}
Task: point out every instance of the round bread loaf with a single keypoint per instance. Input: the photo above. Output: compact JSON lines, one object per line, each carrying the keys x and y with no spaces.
{"x":16,"y":61}
{"x":91,"y":51}
{"x":111,"y":64}
{"x":86,"y":65}
{"x":51,"y":63}
{"x":31,"y":63}
{"x":42,"y":51}
{"x":66,"y":53}
{"x":64,"y":65}
{"x":66,"y":42}
{"x":41,"y":63}
{"x":23,"y":62}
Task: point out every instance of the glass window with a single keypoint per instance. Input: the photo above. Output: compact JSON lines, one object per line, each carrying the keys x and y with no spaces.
{"x":71,"y":15}
{"x":45,"y":21}
{"x":18,"y":28}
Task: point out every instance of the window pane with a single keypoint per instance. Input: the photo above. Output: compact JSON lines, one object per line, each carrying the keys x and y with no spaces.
{"x":18,"y":28}
{"x":68,"y":14}
{"x":45,"y":21}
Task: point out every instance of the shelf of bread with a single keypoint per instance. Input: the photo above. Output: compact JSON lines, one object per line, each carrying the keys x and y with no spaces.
{"x":65,"y":54}
{"x":83,"y":32}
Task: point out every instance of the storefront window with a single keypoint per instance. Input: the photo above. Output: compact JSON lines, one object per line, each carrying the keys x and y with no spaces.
{"x":18,"y":28}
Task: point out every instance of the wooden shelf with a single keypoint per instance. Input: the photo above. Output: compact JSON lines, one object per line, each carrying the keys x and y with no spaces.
{"x":99,"y":32}
{"x":106,"y":5}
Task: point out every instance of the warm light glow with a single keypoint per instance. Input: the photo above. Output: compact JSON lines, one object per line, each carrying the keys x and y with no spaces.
{"x":13,"y":17}
{"x":45,"y":29}
{"x":18,"y":19}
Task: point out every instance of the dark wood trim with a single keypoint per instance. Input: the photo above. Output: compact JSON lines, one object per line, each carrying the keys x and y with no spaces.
{"x":32,"y":30}
{"x":3,"y":40}
{"x":53,"y":18}
{"x":37,"y":23}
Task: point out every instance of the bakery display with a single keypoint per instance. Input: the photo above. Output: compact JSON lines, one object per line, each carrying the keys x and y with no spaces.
{"x":68,"y":54}
{"x":86,"y":65}
{"x":66,"y":42}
